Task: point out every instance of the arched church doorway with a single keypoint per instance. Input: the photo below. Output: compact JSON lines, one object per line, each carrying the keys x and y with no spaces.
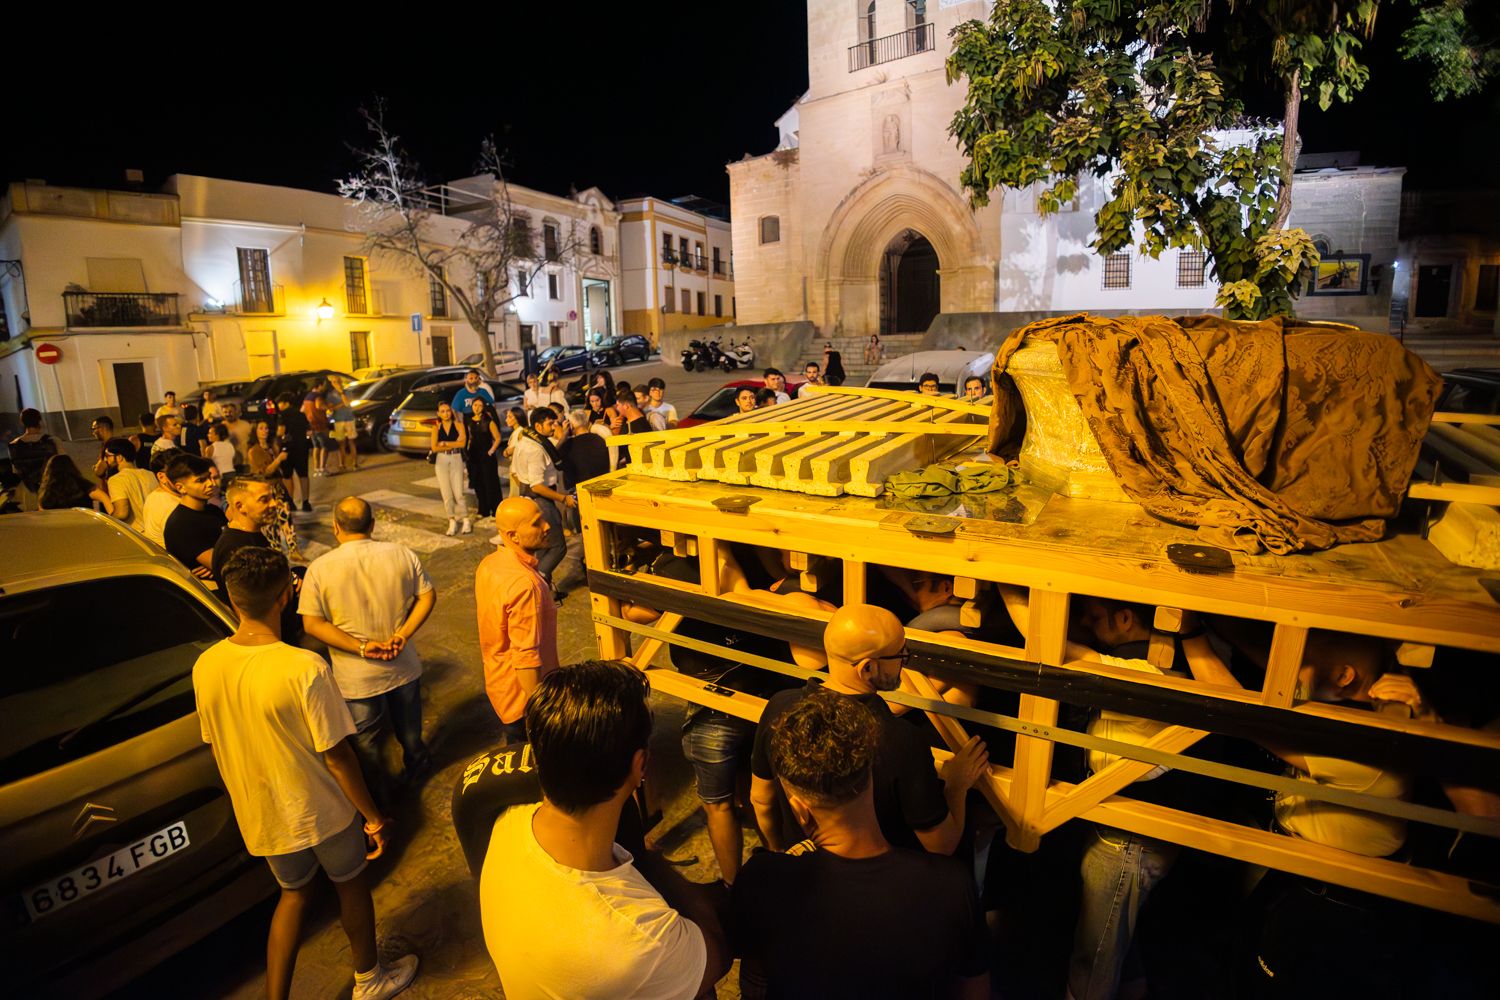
{"x":910,"y":290}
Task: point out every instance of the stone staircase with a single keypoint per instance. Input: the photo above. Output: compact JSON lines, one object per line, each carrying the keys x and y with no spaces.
{"x":852,"y":350}
{"x":1445,"y":352}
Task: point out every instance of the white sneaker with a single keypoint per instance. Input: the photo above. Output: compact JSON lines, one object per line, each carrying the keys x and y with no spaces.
{"x":389,"y":979}
{"x":467,"y":529}
{"x":452,"y":527}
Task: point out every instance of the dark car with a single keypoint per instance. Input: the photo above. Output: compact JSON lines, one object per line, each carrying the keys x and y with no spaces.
{"x":1471,"y":390}
{"x":410,"y":427}
{"x":375,"y":400}
{"x":260,"y":398}
{"x":224,"y":392}
{"x":565,"y":358}
{"x":720,"y":402}
{"x":614,"y":351}
{"x":119,"y":840}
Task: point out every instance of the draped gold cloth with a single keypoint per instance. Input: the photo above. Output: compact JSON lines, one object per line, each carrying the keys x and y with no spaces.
{"x":1274,"y":434}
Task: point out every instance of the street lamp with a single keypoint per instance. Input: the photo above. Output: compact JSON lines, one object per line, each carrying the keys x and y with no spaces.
{"x":325,"y":310}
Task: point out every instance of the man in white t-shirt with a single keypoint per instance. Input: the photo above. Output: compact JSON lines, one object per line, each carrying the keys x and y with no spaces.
{"x":776,"y":382}
{"x":567,"y":912}
{"x":365,"y":600}
{"x":169,"y":407}
{"x":128,"y":486}
{"x":662,"y":414}
{"x":280,"y":737}
{"x":161,"y":501}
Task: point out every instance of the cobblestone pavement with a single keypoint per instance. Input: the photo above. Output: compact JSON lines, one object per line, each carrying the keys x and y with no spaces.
{"x":424,"y":899}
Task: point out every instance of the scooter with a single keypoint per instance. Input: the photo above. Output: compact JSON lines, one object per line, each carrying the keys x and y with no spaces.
{"x":699,"y":356}
{"x":742,"y":356}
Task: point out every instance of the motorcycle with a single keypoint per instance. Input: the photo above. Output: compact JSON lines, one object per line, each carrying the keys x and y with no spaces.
{"x":698,"y":356}
{"x":742,"y":356}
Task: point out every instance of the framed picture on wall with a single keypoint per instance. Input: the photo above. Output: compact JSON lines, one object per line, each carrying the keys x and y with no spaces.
{"x":1341,"y":274}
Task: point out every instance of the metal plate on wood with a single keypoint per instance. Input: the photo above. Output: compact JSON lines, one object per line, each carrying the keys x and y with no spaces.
{"x":735,"y":503}
{"x":600,"y":487}
{"x":932,"y":525}
{"x":1200,"y":558}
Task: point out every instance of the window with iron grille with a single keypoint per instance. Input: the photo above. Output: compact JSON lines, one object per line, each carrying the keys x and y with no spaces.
{"x":1190,"y":267}
{"x":596,"y":241}
{"x":718,"y":261}
{"x":770,"y":229}
{"x":255,"y":281}
{"x":437,"y":297}
{"x":1117,"y":270}
{"x":359,"y":349}
{"x":355,"y":298}
{"x":520,"y":236}
{"x":666,"y":249}
{"x":549,"y":240}
{"x":682,"y":251}
{"x":552,"y":287}
{"x":1487,"y":291}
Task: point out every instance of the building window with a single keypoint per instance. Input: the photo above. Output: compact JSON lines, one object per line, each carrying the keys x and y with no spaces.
{"x":916,"y":13}
{"x":1190,"y":267}
{"x":667,"y":256}
{"x":437,"y":297}
{"x":520,"y":236}
{"x":669,"y":301}
{"x":718,"y":305}
{"x":557,"y":330}
{"x":521,"y":291}
{"x":1117,"y":270}
{"x":355,"y":298}
{"x":700,"y":303}
{"x":866,"y":23}
{"x":718,"y":261}
{"x":1487,"y":293}
{"x":596,"y":241}
{"x":683,"y":253}
{"x":698,"y":256}
{"x":359,"y":349}
{"x":687,"y":302}
{"x":770,"y":227}
{"x":481,"y":286}
{"x":733,"y":309}
{"x":552,"y":287}
{"x":549,"y":240}
{"x":255,"y":281}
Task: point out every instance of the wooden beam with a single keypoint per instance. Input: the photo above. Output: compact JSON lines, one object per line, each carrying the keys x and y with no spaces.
{"x":1114,"y":777}
{"x":1283,"y":665}
{"x":1046,"y":642}
{"x":1447,"y":417}
{"x":668,"y":622}
{"x":954,"y":734}
{"x":614,"y":643}
{"x":854,"y":581}
{"x":1460,"y":492}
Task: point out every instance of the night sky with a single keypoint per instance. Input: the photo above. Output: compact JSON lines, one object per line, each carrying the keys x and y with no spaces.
{"x":630,"y":101}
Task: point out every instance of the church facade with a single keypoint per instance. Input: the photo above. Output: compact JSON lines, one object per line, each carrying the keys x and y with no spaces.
{"x":856,"y":221}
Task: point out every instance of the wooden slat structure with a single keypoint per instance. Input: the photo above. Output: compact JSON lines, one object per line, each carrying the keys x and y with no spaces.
{"x":1061,"y":549}
{"x":835,"y":440}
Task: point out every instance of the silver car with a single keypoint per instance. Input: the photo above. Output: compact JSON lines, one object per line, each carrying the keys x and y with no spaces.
{"x":119,"y":842}
{"x":410,"y":427}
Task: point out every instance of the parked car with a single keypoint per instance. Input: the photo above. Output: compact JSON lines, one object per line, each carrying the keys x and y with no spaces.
{"x":615,"y":351}
{"x":720,"y":402}
{"x":951,"y":368}
{"x":224,"y":392}
{"x":410,"y":427}
{"x":260,"y":398}
{"x":380,"y":371}
{"x":119,"y":841}
{"x":374,"y":400}
{"x":566,"y":358}
{"x":507,"y":363}
{"x":1470,"y":390}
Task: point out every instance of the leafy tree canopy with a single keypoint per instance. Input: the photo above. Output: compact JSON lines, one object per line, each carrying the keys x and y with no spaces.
{"x":1151,"y":94}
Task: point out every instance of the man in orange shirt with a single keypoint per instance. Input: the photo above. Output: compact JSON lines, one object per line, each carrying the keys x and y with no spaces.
{"x":517,"y":614}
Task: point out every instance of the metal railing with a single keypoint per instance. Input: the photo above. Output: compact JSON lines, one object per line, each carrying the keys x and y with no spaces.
{"x":921,"y":38}
{"x":723,"y":269}
{"x":259,"y":300}
{"x":108,"y":309}
{"x":669,"y":256}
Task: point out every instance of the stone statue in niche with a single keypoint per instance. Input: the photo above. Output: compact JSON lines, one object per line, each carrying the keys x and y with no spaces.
{"x":890,"y":134}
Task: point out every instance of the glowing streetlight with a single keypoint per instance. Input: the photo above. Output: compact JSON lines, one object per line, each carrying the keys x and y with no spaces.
{"x":325,"y":310}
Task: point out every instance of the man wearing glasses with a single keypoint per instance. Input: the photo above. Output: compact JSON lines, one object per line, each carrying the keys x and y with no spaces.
{"x":916,"y":806}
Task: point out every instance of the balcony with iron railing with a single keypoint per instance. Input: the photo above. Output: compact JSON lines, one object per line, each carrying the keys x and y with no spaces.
{"x":668,"y":256}
{"x":920,"y":38}
{"x":700,"y":263}
{"x":103,"y":310}
{"x":723,"y":269}
{"x":259,"y":300}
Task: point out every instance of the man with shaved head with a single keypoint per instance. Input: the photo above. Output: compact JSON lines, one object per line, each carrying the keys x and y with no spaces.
{"x":917,"y":808}
{"x":517,"y":614}
{"x":365,"y":600}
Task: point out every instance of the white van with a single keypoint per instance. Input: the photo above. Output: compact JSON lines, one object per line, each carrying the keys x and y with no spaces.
{"x":951,"y":368}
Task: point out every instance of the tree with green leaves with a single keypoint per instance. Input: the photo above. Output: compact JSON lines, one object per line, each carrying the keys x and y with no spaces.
{"x":1150,"y":96}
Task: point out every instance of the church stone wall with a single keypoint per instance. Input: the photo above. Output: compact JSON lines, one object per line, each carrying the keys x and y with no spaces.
{"x":768,"y":276}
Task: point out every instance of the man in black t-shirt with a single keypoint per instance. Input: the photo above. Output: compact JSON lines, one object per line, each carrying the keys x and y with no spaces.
{"x":194,"y":527}
{"x":292,"y":428}
{"x":866,"y":649}
{"x":843,"y":913}
{"x":250,"y":503}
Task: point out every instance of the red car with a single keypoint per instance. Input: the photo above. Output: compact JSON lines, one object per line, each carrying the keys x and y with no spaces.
{"x":720,"y":402}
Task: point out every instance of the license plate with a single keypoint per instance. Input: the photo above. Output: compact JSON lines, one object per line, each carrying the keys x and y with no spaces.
{"x":49,"y":897}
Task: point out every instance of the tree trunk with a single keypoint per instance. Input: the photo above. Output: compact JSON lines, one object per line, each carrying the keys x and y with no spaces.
{"x":1288,"y":148}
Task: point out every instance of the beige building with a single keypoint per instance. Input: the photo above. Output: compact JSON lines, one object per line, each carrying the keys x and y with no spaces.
{"x":677,"y":266}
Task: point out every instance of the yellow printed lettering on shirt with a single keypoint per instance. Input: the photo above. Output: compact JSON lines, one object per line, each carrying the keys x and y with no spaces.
{"x":473,"y":771}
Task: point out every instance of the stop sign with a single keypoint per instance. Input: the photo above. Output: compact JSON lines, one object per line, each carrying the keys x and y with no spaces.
{"x":48,"y":354}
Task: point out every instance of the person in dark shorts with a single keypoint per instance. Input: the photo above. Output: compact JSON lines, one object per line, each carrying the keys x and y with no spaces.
{"x":293,"y":430}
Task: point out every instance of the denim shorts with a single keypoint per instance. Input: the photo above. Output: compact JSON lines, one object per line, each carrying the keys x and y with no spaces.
{"x":717,"y":746}
{"x":342,"y":856}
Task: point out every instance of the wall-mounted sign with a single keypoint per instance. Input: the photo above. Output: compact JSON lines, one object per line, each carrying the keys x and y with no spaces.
{"x":48,"y":354}
{"x":416,"y":322}
{"x":572,"y":314}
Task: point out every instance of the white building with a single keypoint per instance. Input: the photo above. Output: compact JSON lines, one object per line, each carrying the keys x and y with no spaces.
{"x":216,"y":280}
{"x":857,"y":223}
{"x":677,"y":265}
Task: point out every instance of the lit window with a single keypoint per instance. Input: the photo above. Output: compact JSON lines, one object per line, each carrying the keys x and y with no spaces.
{"x":359,"y":349}
{"x":354,"y":286}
